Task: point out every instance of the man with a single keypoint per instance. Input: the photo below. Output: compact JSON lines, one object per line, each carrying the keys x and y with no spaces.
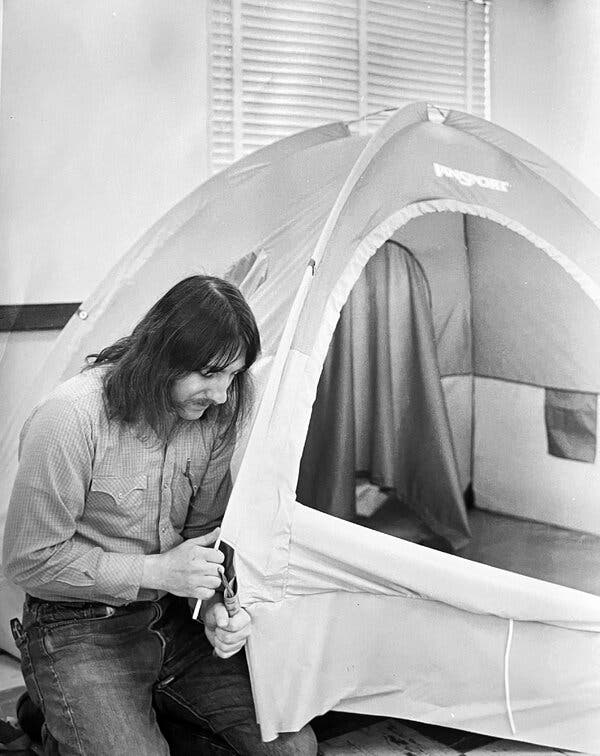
{"x":122,"y":483}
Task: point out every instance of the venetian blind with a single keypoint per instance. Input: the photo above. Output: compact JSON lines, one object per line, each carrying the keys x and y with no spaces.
{"x":279,"y":66}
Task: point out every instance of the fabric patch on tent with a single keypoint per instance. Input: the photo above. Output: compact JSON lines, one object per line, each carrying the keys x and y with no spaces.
{"x":571,"y":424}
{"x":240,"y":269}
{"x":249,"y":273}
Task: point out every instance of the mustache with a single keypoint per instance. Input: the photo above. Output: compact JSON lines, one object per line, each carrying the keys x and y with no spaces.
{"x":192,"y":403}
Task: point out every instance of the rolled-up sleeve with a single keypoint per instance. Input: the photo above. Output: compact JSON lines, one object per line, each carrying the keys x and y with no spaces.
{"x":208,"y":506}
{"x":42,"y":552}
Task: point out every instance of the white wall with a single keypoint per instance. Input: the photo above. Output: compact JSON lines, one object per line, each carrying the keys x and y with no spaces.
{"x":576,"y":87}
{"x":545,"y":78}
{"x":103,"y":121}
{"x":102,"y":129}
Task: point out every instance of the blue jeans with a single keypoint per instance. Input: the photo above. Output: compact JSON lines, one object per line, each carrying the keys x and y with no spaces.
{"x":139,"y":679}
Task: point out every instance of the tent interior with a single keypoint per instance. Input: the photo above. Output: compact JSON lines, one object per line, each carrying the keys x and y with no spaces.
{"x":457,"y":403}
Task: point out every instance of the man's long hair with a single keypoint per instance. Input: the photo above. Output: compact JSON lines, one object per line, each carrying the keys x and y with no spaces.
{"x":202,"y":324}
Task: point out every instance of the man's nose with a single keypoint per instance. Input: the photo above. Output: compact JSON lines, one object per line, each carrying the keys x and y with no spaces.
{"x":218,"y":391}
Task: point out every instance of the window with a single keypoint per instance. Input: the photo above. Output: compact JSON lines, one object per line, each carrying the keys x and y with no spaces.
{"x":280,"y":66}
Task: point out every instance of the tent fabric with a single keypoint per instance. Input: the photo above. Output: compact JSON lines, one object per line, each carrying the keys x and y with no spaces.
{"x":537,"y":298}
{"x":576,"y":269}
{"x":310,"y":213}
{"x":321,"y":315}
{"x":528,"y":482}
{"x":458,"y":398}
{"x":273,"y":202}
{"x":408,"y":442}
{"x":438,"y":243}
{"x":296,"y":385}
{"x":415,"y":623}
{"x":533,"y":159}
{"x":571,"y":424}
{"x":204,"y":233}
{"x":435,"y":673}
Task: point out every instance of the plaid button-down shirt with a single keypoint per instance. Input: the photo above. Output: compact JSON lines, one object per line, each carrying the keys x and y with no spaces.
{"x":91,"y":498}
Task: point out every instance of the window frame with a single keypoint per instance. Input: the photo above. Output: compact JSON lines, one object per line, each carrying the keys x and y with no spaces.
{"x":230,"y":136}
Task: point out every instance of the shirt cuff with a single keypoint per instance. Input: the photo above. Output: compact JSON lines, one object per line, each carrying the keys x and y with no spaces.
{"x":120,"y":575}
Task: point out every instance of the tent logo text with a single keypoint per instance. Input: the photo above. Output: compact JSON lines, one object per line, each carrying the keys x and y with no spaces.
{"x":468,"y":179}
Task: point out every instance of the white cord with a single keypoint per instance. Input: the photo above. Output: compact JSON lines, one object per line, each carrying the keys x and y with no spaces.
{"x":197,"y":607}
{"x":506,"y":681}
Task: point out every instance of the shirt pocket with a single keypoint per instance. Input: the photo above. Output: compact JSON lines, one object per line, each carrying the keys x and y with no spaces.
{"x":117,"y":505}
{"x":186,"y":484}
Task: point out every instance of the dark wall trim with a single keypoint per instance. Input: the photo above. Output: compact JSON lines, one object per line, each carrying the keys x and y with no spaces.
{"x":36,"y":317}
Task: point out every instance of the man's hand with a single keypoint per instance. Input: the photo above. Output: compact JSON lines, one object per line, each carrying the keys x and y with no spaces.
{"x":190,"y":569}
{"x":227,"y":635}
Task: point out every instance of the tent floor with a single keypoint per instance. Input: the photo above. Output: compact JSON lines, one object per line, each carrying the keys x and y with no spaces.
{"x":535,"y":549}
{"x":529,"y":548}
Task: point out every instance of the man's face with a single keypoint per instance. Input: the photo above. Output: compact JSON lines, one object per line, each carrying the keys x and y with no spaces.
{"x":194,"y":393}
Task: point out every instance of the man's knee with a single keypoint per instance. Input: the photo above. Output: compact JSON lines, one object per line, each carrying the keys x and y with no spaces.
{"x":307,"y":741}
{"x":303,"y":743}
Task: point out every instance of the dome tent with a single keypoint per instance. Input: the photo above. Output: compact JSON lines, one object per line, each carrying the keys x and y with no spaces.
{"x":513,"y":273}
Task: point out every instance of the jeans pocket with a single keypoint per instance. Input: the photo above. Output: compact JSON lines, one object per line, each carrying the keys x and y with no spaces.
{"x":55,"y":614}
{"x":23,"y":643}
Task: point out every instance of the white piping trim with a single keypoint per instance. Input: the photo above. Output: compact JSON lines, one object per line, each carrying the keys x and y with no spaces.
{"x":367,"y":248}
{"x":255,"y":447}
{"x":408,"y":116}
{"x":509,"y":638}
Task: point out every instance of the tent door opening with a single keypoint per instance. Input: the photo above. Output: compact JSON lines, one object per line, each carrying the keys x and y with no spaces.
{"x":437,"y":379}
{"x":380,"y":410}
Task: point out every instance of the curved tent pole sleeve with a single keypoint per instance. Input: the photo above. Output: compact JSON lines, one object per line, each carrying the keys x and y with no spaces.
{"x":406,"y":117}
{"x":255,"y":449}
{"x":263,"y":419}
